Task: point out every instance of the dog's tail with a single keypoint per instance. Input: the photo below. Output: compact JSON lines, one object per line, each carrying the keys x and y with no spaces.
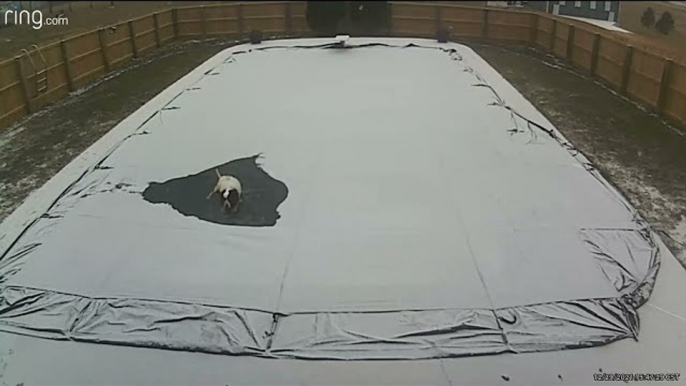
{"x":218,"y":175}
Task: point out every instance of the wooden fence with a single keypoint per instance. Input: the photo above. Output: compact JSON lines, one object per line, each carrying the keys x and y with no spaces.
{"x":646,"y":77}
{"x":75,"y":62}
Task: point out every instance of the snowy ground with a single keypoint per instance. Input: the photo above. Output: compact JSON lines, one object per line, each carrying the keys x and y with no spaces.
{"x":643,"y":155}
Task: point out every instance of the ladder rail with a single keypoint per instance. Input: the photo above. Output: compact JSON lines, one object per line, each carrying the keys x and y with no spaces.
{"x":33,"y":67}
{"x":41,"y":75}
{"x":28,"y":55}
{"x":40,"y":53}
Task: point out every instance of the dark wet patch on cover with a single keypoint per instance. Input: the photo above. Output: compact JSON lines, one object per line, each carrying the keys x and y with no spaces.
{"x":261,"y":197}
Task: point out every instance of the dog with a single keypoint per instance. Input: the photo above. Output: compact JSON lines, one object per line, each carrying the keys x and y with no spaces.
{"x":230,"y":189}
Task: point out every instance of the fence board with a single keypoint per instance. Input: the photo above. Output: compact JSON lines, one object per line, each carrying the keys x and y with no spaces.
{"x":165,"y":17}
{"x":506,"y":25}
{"x":415,"y":10}
{"x":560,"y":45}
{"x":644,"y":77}
{"x":85,"y":58}
{"x":188,"y":22}
{"x":545,"y":27}
{"x":270,"y":24}
{"x":610,"y":60}
{"x":119,"y":48}
{"x":583,"y":47}
{"x":222,"y":20}
{"x":462,"y":21}
{"x":414,"y":26}
{"x":166,"y":26}
{"x":299,"y":24}
{"x":675,"y":98}
{"x":262,"y":9}
{"x":83,"y":43}
{"x":144,"y":29}
{"x":298,"y":8}
{"x":12,"y":105}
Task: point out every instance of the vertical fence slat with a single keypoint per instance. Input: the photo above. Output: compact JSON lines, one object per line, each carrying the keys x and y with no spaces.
{"x":594,"y":53}
{"x":570,"y":44}
{"x":626,"y":68}
{"x":534,"y":29}
{"x":175,"y":22}
{"x":103,"y":49}
{"x":203,"y":22}
{"x":132,"y":33}
{"x":241,"y":27}
{"x":438,"y":16}
{"x":24,"y":87}
{"x":664,"y":84}
{"x":68,"y":73}
{"x":156,"y":22}
{"x":390,"y":19}
{"x":289,"y":21}
{"x":484,"y":24}
{"x":553,"y":33}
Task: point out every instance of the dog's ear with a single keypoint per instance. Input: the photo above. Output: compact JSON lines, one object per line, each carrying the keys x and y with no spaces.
{"x":217,"y":171}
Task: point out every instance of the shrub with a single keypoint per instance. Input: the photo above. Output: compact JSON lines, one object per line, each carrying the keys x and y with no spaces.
{"x":666,"y":23}
{"x":648,"y":18}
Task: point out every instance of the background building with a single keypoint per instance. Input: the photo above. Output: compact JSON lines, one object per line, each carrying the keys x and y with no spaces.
{"x":601,"y":10}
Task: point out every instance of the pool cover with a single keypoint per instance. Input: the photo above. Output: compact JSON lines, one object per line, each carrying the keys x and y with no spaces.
{"x":400,"y":201}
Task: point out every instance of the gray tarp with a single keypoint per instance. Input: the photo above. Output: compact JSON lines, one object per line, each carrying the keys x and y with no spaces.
{"x":430,"y":212}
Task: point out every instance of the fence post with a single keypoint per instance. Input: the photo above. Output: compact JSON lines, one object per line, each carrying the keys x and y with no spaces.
{"x":594,"y":53}
{"x":24,"y":86}
{"x":570,"y":44}
{"x":664,"y":84}
{"x":240,"y":20}
{"x":132,"y":33}
{"x":553,"y":33}
{"x":103,"y":49}
{"x":289,"y":21}
{"x":484,"y":24}
{"x":156,"y":22}
{"x":203,"y":22}
{"x":626,"y":68}
{"x":534,"y":29}
{"x":175,"y":22}
{"x":67,"y":65}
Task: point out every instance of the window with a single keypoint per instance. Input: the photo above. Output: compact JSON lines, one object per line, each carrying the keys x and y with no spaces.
{"x":608,"y":6}
{"x":593,"y":4}
{"x":577,"y":4}
{"x":562,"y":3}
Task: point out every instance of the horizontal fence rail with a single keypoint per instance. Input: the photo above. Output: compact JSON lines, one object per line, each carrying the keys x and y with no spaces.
{"x":643,"y":76}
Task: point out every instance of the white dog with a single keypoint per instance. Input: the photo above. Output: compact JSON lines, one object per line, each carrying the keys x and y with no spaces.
{"x":230,"y":189}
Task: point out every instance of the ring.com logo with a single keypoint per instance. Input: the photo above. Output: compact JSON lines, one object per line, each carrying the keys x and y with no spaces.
{"x":33,"y":18}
